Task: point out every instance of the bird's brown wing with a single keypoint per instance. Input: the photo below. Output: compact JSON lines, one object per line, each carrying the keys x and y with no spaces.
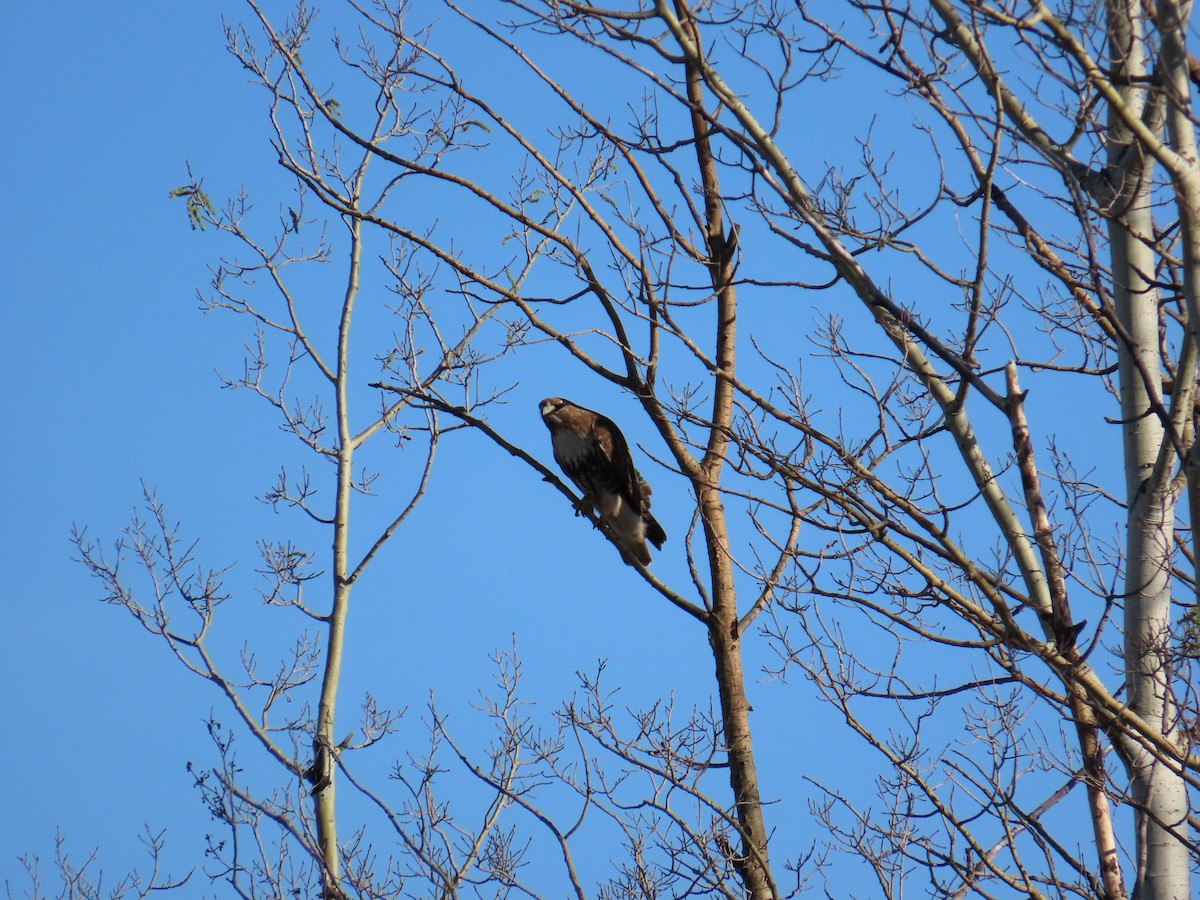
{"x":607,"y":437}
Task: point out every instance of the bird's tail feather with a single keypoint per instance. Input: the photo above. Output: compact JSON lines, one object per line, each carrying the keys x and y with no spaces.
{"x":654,"y":531}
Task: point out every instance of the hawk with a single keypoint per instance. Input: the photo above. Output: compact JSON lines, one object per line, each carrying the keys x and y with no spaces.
{"x":591,"y":450}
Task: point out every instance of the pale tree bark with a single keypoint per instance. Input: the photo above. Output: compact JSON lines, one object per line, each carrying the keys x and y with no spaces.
{"x":1161,"y":864}
{"x":1065,"y":633}
{"x":324,"y":773}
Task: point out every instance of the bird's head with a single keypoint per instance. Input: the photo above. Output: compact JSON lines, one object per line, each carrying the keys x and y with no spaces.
{"x":550,"y":407}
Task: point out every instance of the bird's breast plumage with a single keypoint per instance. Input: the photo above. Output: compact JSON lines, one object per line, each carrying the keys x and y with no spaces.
{"x":570,"y":447}
{"x":585,"y":463}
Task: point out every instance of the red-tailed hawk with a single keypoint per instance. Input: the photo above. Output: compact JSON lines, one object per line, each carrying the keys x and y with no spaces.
{"x":591,"y":450}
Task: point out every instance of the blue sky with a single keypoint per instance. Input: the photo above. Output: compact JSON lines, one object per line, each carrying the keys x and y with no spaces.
{"x":109,"y":374}
{"x":110,"y":381}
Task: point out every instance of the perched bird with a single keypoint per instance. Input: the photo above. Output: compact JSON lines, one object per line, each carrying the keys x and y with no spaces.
{"x":591,"y":450}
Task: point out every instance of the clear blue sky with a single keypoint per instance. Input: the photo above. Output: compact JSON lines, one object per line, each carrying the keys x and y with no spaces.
{"x":109,"y":382}
{"x":108,"y":374}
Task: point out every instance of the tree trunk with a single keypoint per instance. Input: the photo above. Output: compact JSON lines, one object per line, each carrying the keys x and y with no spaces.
{"x":754,"y":863}
{"x":1161,"y":859}
{"x":324,"y":765}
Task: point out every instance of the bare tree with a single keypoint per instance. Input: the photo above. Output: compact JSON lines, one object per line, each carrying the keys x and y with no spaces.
{"x":910,"y":503}
{"x":84,"y":880}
